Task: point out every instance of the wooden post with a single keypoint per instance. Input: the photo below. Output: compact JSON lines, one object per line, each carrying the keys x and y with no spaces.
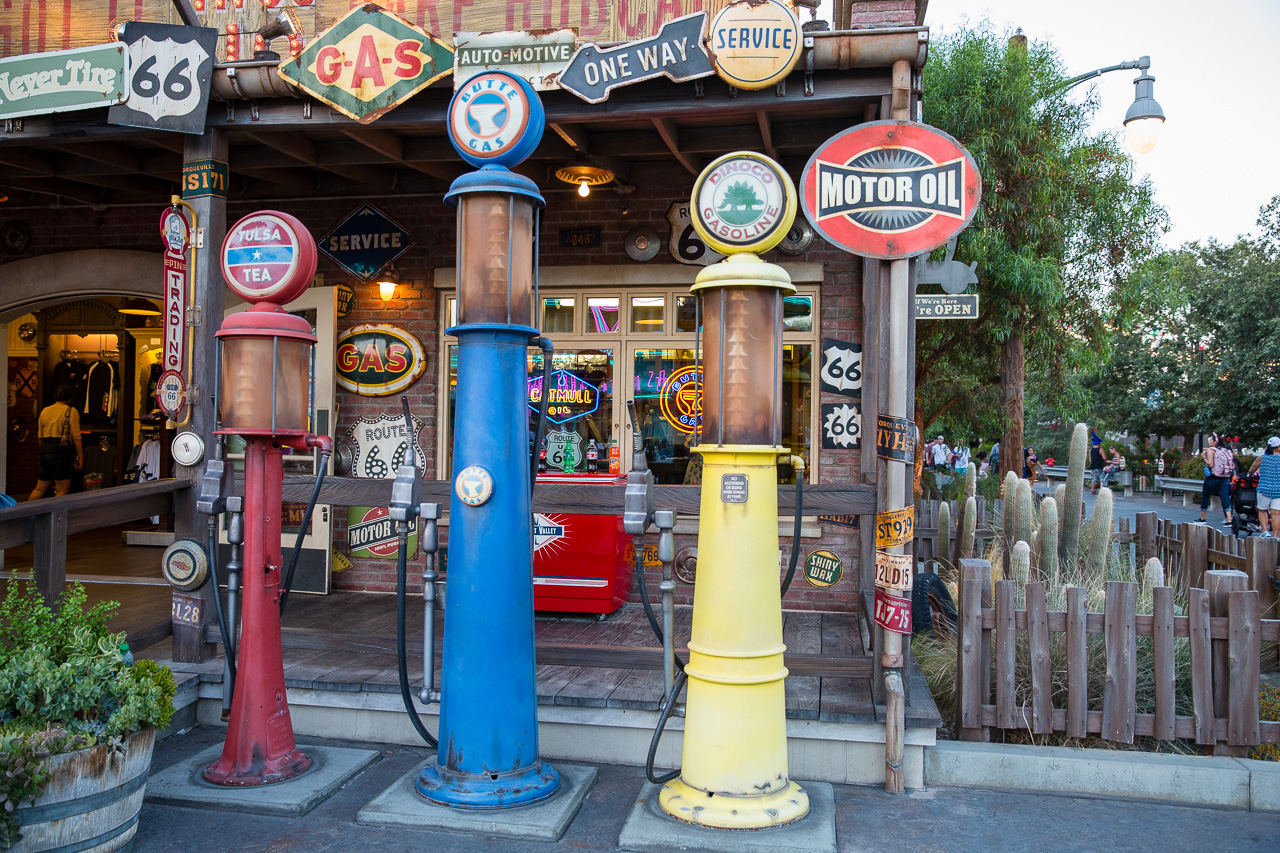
{"x":1146,"y":523}
{"x":206,"y":312}
{"x":1261,"y":556}
{"x":1195,"y":554}
{"x":1077,"y":663}
{"x":49,"y":547}
{"x":1221,"y":583}
{"x":1243,"y":659}
{"x":1006,"y":655}
{"x":1119,"y":696}
{"x":973,"y":656}
{"x":1038,"y":646}
{"x":1201,"y":665}
{"x":1163,"y":673}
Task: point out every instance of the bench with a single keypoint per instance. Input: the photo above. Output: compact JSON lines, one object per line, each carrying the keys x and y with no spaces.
{"x":1118,"y":478}
{"x":1191,"y":490}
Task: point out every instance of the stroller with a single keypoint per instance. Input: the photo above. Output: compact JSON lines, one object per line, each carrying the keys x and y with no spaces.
{"x":1244,"y":505}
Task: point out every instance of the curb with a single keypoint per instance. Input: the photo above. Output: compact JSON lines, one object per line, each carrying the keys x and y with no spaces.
{"x":1238,"y":783}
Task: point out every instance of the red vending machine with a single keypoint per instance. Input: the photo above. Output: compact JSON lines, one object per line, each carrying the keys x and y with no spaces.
{"x":581,"y":563}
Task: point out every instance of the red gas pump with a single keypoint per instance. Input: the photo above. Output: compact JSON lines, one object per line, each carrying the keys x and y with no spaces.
{"x":269,"y":258}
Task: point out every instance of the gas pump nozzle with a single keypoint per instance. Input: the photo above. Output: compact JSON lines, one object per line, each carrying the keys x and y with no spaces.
{"x":637,"y":503}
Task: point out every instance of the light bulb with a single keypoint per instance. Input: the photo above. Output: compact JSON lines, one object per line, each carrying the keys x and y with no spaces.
{"x":387,"y":290}
{"x":583,"y":189}
{"x":1143,"y":132}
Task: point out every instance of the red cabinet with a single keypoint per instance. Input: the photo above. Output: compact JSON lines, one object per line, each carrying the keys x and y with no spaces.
{"x":581,"y":563}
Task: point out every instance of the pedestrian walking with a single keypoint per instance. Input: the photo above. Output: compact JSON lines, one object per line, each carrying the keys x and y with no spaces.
{"x":1219,"y":465}
{"x":939,"y":453}
{"x":1031,"y":469}
{"x":993,"y":459}
{"x":961,"y":453}
{"x":61,"y":454}
{"x":1267,"y":467}
{"x":1097,"y":461}
{"x":984,"y":467}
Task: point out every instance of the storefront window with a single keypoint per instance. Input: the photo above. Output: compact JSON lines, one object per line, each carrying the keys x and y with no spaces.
{"x":579,"y":409}
{"x":557,"y":315}
{"x":686,"y":313}
{"x":647,"y":314}
{"x":602,"y":314}
{"x":797,"y":314}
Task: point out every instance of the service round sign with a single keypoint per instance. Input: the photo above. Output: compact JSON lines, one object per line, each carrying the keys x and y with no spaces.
{"x":755,"y":44}
{"x":743,"y":202}
{"x":269,"y":256}
{"x":473,"y":485}
{"x":890,"y":189}
{"x":495,"y":119}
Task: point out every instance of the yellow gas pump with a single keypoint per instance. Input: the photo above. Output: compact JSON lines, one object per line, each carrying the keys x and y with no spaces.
{"x":734,"y":769}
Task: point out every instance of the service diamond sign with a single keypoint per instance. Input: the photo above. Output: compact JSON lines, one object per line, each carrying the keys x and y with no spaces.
{"x":368,"y":63}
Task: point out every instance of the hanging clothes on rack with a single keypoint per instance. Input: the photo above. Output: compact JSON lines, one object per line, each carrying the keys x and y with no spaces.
{"x":100,"y":390}
{"x":70,"y":372}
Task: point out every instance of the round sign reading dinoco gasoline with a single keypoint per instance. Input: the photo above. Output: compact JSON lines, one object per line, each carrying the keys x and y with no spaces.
{"x":743,"y":202}
{"x":890,"y":189}
{"x":269,"y":256}
{"x":495,"y":119}
{"x":755,"y":43}
{"x":473,"y":485}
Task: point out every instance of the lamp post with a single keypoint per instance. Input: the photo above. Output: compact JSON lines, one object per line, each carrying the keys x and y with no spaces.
{"x":1144,"y":118}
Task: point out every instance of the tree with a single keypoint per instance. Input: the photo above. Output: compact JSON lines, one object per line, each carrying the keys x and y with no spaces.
{"x":1061,"y":222}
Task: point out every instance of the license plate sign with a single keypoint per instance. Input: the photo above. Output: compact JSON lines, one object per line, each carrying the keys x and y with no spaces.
{"x":893,"y":571}
{"x":893,"y":613}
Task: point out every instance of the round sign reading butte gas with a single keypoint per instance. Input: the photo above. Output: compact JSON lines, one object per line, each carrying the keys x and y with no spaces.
{"x":890,"y":189}
{"x":755,"y":44}
{"x":495,"y":119}
{"x":269,"y":256}
{"x":743,"y":202}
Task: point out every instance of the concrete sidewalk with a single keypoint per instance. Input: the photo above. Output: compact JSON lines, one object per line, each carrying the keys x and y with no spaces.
{"x":940,"y":819}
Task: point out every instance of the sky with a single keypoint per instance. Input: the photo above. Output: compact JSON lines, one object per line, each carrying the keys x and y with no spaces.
{"x":1210,"y":59}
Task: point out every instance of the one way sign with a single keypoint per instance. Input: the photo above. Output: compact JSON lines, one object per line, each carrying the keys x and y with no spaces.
{"x":675,"y":52}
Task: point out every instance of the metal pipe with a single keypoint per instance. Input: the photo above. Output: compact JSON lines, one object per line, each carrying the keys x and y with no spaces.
{"x":836,"y":50}
{"x":666,"y":522}
{"x":235,"y":537}
{"x":429,"y":541}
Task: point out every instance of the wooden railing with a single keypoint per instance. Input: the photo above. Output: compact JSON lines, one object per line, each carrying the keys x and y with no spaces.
{"x":48,"y":522}
{"x":1222,"y":629}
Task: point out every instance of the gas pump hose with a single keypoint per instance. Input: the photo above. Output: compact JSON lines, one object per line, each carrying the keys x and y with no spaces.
{"x":228,"y":641}
{"x":669,"y":705}
{"x":302,"y":531}
{"x":401,"y":660}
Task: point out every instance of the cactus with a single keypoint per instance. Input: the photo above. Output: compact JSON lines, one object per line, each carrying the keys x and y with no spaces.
{"x":1006,"y":488}
{"x":1020,"y":564}
{"x":944,"y":529}
{"x":1100,"y":534}
{"x":1153,"y":573}
{"x":971,"y":480}
{"x":1060,"y":496}
{"x":970,"y":519}
{"x":1049,"y":539}
{"x":1025,"y":517}
{"x":1035,"y":548}
{"x":963,"y":503}
{"x":1009,"y":494}
{"x":1071,"y":509}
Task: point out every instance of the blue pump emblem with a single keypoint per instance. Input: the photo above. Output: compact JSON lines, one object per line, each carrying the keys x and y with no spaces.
{"x":473,"y":485}
{"x":495,"y":119}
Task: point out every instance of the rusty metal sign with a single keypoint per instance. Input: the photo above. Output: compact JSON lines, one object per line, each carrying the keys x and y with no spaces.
{"x":755,"y":44}
{"x":892,"y":612}
{"x":893,"y":571}
{"x":676,"y":52}
{"x":537,"y":55}
{"x":895,"y":527}
{"x":369,"y":63}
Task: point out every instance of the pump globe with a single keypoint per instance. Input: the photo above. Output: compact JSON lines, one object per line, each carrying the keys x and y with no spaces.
{"x":1143,"y":133}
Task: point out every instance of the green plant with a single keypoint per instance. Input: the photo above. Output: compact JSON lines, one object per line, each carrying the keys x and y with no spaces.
{"x":1069,"y":536}
{"x":66,"y":682}
{"x":1268,"y":709}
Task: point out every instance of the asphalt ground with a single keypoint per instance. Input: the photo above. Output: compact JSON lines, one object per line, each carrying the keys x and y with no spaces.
{"x":940,"y":819}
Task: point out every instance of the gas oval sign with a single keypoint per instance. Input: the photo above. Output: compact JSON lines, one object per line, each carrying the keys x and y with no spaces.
{"x":890,"y":189}
{"x":376,"y":360}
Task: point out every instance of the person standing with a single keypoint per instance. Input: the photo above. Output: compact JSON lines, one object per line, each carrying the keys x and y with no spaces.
{"x":60,"y":450}
{"x":993,"y":459}
{"x":1267,"y":467}
{"x":1219,"y":465}
{"x":962,"y":459}
{"x":939,"y":453}
{"x":1096,"y":461}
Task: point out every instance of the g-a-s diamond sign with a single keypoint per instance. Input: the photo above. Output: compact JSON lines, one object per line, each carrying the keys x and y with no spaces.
{"x":368,"y":63}
{"x":890,"y":189}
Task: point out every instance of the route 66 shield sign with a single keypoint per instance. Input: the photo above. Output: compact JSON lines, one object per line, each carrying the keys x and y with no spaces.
{"x":170,"y":70}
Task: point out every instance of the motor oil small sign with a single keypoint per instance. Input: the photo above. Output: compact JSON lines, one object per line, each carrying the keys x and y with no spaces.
{"x":892,"y":612}
{"x":371,"y":534}
{"x":822,"y":568}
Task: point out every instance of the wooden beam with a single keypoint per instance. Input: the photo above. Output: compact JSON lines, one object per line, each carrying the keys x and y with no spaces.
{"x":574,"y":135}
{"x":670,"y":134}
{"x":107,"y":153}
{"x":391,"y":146}
{"x":29,"y":159}
{"x":292,"y":144}
{"x":304,"y":151}
{"x":294,"y":180}
{"x":766,"y":133}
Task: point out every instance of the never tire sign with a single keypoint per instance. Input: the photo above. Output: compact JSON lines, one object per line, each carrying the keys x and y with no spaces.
{"x":170,"y":70}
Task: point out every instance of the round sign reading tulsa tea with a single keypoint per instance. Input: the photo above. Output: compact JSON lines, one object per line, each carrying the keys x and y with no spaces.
{"x":495,"y":119}
{"x":269,"y":256}
{"x":743,"y":202}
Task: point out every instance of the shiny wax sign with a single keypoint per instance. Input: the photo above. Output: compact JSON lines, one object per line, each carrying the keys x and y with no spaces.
{"x":377,"y":360}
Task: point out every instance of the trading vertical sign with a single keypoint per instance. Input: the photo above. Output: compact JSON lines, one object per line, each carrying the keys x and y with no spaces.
{"x":171,"y":389}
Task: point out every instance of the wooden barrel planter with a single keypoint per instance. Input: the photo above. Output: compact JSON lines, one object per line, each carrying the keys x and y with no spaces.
{"x":92,"y":801}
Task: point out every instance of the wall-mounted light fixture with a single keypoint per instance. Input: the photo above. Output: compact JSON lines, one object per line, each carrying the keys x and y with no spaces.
{"x":585,"y":175}
{"x":387,"y":282}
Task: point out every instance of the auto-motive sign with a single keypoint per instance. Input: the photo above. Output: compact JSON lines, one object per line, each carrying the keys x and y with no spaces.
{"x":535,"y":56}
{"x":368,"y":63}
{"x":890,"y":189}
{"x":377,"y":360}
{"x":365,"y":241}
{"x":755,"y":44}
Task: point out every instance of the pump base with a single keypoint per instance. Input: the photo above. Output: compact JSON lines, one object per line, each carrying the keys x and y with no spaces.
{"x":287,"y":766}
{"x":487,"y":791}
{"x":684,"y":802}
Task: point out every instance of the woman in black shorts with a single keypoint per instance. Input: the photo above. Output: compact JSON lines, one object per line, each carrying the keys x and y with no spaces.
{"x":60,"y":449}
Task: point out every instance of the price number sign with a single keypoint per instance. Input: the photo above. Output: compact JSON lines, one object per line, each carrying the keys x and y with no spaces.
{"x":895,"y":527}
{"x":893,"y":571}
{"x":892,"y":612}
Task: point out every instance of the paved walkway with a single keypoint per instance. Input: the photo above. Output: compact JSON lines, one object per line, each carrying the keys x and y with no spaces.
{"x":1146,"y":502}
{"x":942,"y":819}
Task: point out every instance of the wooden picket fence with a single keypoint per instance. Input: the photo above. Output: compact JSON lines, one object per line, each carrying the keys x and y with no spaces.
{"x":1221,"y":624}
{"x":932,"y":544}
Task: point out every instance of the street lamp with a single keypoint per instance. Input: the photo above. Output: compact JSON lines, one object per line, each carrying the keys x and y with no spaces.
{"x":1143,"y":120}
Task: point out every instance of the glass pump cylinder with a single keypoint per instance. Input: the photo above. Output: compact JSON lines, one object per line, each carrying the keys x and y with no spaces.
{"x":265,"y":381}
{"x":496,"y":277}
{"x":742,"y":351}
